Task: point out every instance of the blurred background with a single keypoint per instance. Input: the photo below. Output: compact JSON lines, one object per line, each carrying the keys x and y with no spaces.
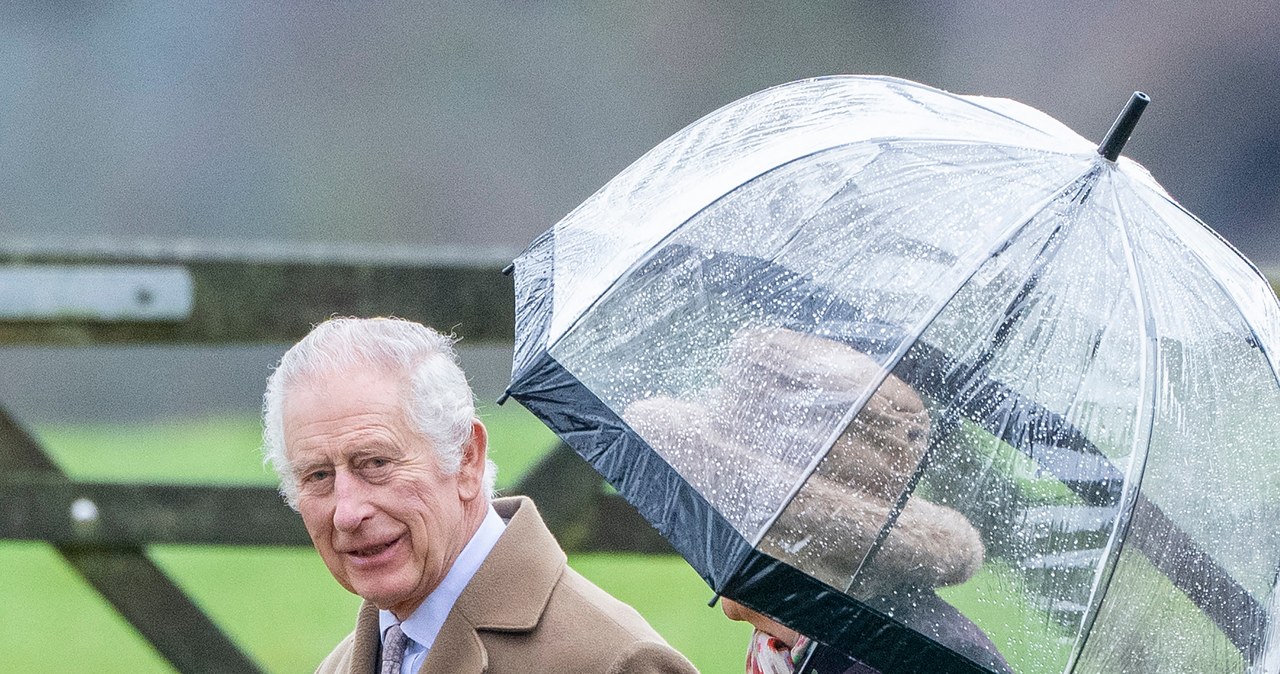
{"x":485,"y":122}
{"x":476,"y":125}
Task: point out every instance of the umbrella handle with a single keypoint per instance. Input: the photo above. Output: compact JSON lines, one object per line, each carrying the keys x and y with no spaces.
{"x":1115,"y":139}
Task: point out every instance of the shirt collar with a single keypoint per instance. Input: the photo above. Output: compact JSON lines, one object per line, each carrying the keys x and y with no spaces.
{"x":424,"y":623}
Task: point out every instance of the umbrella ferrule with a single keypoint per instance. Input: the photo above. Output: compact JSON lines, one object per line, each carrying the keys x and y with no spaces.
{"x":1122,"y":128}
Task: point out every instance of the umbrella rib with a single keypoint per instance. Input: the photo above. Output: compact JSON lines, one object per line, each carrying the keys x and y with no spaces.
{"x":1233,"y":600}
{"x":1148,"y":339}
{"x":1229,"y":605}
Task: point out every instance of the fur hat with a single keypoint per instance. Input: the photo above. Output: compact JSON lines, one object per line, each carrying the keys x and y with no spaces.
{"x":750,"y":438}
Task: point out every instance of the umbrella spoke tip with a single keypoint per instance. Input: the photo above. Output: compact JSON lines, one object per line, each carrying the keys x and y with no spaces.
{"x":1122,"y":128}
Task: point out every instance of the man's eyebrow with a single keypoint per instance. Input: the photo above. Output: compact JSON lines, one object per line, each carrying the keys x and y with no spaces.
{"x":374,"y":449}
{"x":351,"y":455}
{"x":307,"y":467}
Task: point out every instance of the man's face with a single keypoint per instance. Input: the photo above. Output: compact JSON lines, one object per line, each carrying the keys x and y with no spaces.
{"x":383,"y":516}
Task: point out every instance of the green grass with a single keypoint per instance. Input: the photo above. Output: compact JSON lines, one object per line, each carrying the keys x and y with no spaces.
{"x":1151,"y":626}
{"x":216,"y":450}
{"x":667,"y":592}
{"x":996,"y":600}
{"x":45,"y":607}
{"x":279,"y":604}
{"x":225,"y":450}
{"x":516,"y":440}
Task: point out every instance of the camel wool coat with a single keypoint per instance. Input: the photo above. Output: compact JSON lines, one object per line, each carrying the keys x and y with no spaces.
{"x":525,"y":611}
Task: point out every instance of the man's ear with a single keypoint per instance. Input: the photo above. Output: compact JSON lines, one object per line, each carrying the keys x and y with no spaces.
{"x":471,"y":469}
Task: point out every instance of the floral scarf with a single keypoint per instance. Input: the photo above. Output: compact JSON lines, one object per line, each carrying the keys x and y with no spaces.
{"x":768,"y":655}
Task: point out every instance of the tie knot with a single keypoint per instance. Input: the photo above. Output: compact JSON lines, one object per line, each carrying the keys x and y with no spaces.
{"x":393,"y":643}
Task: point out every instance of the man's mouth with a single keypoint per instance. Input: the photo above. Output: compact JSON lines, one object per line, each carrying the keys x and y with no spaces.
{"x":372,"y":550}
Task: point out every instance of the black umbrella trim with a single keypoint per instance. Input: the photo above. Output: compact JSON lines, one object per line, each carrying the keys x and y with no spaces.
{"x":706,"y":540}
{"x":926,"y":636}
{"x":534,"y":297}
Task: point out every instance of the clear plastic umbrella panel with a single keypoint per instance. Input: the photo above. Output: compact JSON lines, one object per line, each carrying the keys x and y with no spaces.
{"x":929,"y":378}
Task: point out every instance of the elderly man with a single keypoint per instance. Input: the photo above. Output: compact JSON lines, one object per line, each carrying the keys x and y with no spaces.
{"x":371,"y":426}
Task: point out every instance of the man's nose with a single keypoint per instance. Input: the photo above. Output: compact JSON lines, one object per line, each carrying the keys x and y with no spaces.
{"x":351,"y":501}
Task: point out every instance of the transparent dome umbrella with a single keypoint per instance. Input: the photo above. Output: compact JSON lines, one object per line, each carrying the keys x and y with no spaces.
{"x":929,"y":378}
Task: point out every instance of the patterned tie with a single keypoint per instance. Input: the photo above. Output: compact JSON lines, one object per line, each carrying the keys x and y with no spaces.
{"x":393,"y":650}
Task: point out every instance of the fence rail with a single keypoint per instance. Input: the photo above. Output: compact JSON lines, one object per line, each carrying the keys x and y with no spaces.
{"x":246,"y":294}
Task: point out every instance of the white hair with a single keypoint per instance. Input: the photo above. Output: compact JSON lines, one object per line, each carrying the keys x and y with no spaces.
{"x":440,"y":404}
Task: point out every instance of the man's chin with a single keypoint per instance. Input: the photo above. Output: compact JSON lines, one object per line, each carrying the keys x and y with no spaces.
{"x":388,"y":590}
{"x":386,"y":596}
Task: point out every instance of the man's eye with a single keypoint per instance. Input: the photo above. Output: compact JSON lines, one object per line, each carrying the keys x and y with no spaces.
{"x":376,"y":463}
{"x":317,"y":476}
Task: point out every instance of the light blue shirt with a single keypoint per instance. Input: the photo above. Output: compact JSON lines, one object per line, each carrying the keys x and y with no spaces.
{"x":424,"y":623}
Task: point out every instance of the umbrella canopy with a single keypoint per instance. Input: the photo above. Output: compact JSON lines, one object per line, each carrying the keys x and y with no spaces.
{"x":929,"y":378}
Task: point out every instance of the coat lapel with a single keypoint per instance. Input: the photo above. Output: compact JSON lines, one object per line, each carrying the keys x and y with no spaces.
{"x":457,"y":649}
{"x":509,"y":592}
{"x":368,"y":641}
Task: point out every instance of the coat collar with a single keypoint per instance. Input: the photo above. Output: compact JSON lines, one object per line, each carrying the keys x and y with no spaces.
{"x":368,"y":640}
{"x":509,"y":593}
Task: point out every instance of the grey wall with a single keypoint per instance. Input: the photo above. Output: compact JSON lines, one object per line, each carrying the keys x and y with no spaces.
{"x":486,"y":121}
{"x":106,"y":384}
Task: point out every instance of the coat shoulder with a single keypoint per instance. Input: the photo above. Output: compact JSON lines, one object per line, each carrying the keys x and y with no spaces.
{"x":585,"y":601}
{"x":648,"y":656}
{"x":597,"y":628}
